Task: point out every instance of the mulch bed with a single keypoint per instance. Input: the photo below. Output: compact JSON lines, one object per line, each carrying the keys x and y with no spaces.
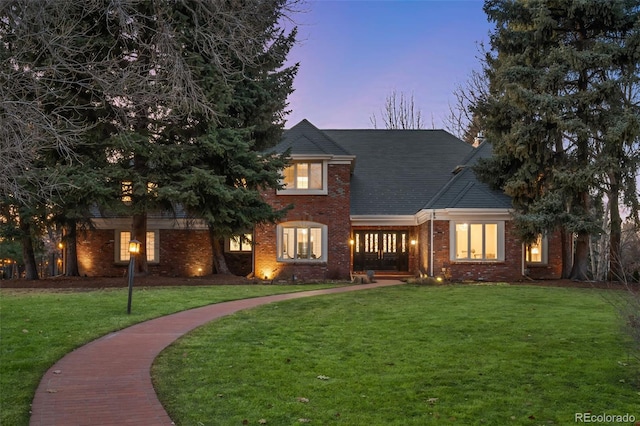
{"x":114,"y":282}
{"x":155,"y":281}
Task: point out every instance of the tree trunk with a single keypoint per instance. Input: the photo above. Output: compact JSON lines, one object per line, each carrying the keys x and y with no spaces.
{"x":139,"y":232}
{"x":566,"y":239}
{"x":580,"y":270}
{"x":219,"y":262}
{"x":615,"y":236}
{"x":71,"y":250}
{"x":28,"y":254}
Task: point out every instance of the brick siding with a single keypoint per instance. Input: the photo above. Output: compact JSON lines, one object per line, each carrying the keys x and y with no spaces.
{"x":331,"y":210}
{"x":183,"y":252}
{"x":508,"y":270}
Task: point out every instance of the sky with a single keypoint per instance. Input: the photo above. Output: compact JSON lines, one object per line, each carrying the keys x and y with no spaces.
{"x":354,"y":53}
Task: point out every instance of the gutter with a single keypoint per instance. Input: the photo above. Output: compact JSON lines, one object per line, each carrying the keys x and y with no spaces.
{"x":433,"y":216}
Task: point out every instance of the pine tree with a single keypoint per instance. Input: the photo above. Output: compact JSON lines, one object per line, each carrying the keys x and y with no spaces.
{"x":127,"y":77}
{"x":219,"y":171}
{"x":550,"y":79}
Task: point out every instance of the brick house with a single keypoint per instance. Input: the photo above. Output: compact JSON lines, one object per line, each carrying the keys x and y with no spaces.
{"x":401,"y":202}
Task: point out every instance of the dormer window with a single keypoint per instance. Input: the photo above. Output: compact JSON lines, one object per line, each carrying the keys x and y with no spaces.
{"x":127,"y":191}
{"x":305,"y":177}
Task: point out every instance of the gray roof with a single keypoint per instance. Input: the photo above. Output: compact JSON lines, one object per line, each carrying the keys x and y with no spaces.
{"x":464,"y":190}
{"x":305,"y":138}
{"x":400,"y":172}
{"x":397,"y":171}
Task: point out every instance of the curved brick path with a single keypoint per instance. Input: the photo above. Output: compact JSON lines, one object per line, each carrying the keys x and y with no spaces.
{"x":108,"y":381}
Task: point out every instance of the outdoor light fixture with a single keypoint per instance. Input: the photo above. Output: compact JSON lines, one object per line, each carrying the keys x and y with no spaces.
{"x":134,"y":249}
{"x":414,"y":242}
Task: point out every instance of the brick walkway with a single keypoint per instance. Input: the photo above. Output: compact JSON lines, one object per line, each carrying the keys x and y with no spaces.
{"x":108,"y":381}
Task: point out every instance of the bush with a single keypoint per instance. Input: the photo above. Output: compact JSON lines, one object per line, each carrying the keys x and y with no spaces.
{"x":429,"y":281}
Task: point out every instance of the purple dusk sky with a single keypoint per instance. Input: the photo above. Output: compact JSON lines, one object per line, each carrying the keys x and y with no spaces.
{"x":353,"y":54}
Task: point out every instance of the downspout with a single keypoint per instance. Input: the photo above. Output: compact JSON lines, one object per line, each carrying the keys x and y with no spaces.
{"x":433,"y":215}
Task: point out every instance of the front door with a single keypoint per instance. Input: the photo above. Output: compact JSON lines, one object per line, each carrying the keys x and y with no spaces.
{"x":381,"y":251}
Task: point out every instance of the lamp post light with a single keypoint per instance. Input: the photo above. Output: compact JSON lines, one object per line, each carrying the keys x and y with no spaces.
{"x":134,"y":249}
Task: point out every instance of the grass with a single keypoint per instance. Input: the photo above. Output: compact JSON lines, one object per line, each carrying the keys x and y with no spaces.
{"x":406,"y":356}
{"x":39,"y":327}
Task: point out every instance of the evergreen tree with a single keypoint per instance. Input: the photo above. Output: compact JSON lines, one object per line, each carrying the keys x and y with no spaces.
{"x":219,"y":172}
{"x":126,"y":77}
{"x":555,"y":74}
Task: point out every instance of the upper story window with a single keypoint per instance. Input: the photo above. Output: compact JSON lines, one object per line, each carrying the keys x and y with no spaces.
{"x":302,"y":177}
{"x":537,"y":252}
{"x":479,"y":242}
{"x":127,"y":190}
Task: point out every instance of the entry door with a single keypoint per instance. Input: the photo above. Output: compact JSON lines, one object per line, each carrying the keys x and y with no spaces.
{"x":381,"y":250}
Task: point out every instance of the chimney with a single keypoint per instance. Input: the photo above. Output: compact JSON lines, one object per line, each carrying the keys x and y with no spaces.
{"x":478,"y":139}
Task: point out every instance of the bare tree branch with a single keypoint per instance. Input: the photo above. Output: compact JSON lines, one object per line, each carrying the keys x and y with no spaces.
{"x":69,"y":65}
{"x":399,"y":112}
{"x":461,"y":120}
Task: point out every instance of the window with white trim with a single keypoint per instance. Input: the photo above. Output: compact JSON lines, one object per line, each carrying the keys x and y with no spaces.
{"x":302,"y":177}
{"x":536,"y":252}
{"x":298,"y":241}
{"x":122,"y":246}
{"x":477,"y":241}
{"x":240,"y":243}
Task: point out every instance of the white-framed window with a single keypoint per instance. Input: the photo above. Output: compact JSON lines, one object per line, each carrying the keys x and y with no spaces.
{"x":536,"y":253}
{"x":302,"y":241}
{"x":122,"y":246}
{"x":127,"y":190}
{"x":240,"y":243}
{"x":477,"y":241}
{"x":305,"y":177}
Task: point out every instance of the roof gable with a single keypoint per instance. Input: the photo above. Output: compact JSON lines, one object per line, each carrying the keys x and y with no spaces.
{"x":464,"y":190}
{"x":306,"y":139}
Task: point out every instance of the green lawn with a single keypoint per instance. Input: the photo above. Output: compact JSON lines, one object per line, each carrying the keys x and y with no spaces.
{"x":38,"y":328}
{"x":495,"y":355}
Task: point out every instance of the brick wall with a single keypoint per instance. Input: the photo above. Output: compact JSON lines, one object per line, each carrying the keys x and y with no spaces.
{"x":508,"y":270}
{"x":96,"y":254}
{"x":183,"y":252}
{"x":552,"y":270}
{"x":331,"y":210}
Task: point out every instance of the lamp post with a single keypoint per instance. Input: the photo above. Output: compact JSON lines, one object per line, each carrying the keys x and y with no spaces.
{"x":134,"y":249}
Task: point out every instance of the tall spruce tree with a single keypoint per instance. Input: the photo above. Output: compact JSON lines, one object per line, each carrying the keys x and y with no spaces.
{"x":125,"y":76}
{"x":219,"y":171}
{"x":555,"y":73}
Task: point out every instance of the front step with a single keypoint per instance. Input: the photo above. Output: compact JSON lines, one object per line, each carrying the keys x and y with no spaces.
{"x":392,"y":275}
